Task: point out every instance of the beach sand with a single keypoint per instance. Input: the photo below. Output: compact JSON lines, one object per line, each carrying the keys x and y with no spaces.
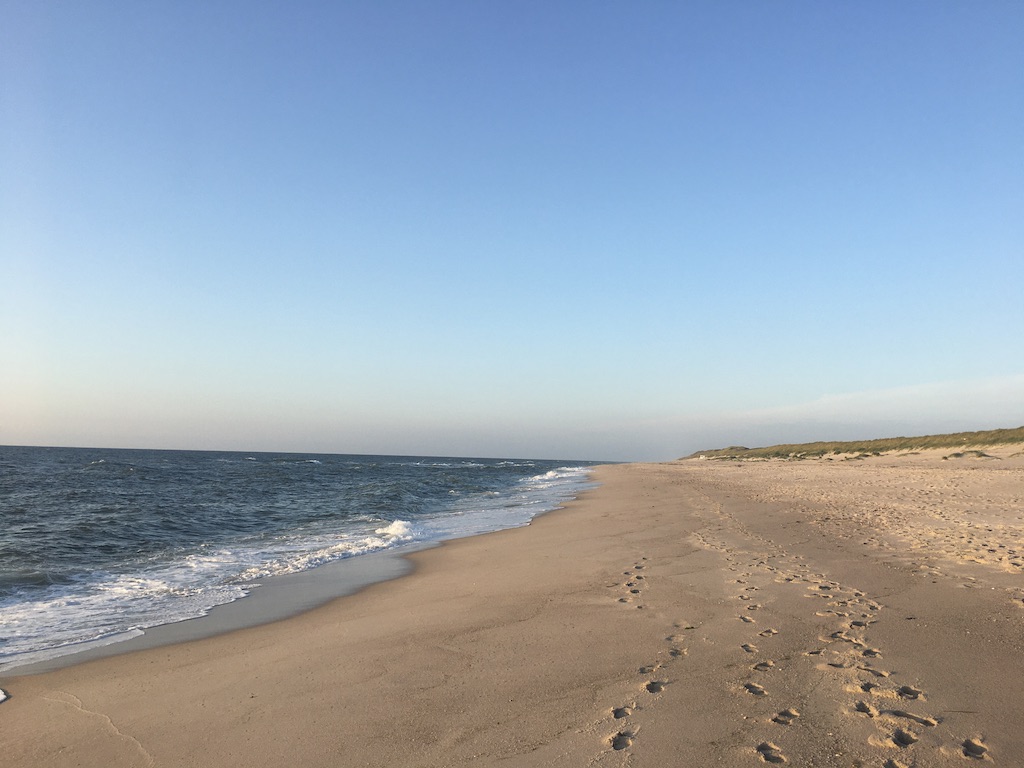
{"x":816,"y":613}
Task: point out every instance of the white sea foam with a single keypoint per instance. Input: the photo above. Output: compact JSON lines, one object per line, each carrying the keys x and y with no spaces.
{"x":103,"y":608}
{"x":400,"y":529}
{"x":3,"y":695}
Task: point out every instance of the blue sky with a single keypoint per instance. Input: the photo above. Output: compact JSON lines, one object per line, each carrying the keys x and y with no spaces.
{"x":582,"y":229}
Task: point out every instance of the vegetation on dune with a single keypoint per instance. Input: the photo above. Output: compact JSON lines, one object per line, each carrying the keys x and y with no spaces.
{"x":861,"y":448}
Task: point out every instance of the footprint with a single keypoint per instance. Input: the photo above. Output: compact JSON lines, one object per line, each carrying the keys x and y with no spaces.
{"x":754,"y":689}
{"x":909,"y":692}
{"x":927,"y":722}
{"x":877,"y":673}
{"x":768,"y":632}
{"x":865,"y":708}
{"x":656,"y":686}
{"x":764,"y":666}
{"x":746,"y":619}
{"x":786,"y":716}
{"x":903,"y":737}
{"x":975,"y":748}
{"x":770,"y":753}
{"x":621,"y":740}
{"x":749,"y":648}
{"x":620,"y":712}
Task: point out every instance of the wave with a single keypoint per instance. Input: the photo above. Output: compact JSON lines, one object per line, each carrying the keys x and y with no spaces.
{"x":205,"y":537}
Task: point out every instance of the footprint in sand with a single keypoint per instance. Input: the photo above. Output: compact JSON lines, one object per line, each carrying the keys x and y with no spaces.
{"x":621,"y":740}
{"x":770,"y":753}
{"x":909,"y":692}
{"x":786,"y":716}
{"x":754,"y":689}
{"x":873,"y":671}
{"x":768,"y":632}
{"x":749,"y":648}
{"x":903,"y":738}
{"x":975,"y":748}
{"x":763,"y":666}
{"x":746,"y":619}
{"x":656,"y":686}
{"x":620,"y":712}
{"x":864,"y":708}
{"x":927,"y":722}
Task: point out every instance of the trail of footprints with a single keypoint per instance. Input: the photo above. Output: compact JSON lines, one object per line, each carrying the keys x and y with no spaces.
{"x":844,"y":651}
{"x":634,"y":584}
{"x":649,"y":684}
{"x":874,"y":693}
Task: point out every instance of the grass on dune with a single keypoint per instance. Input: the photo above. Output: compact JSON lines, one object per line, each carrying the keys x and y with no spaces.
{"x":959,"y":440}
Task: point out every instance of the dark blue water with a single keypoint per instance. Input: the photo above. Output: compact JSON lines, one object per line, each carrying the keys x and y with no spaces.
{"x":98,"y":544}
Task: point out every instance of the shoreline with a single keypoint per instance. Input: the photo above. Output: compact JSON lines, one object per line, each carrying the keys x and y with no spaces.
{"x":682,"y":613}
{"x":277,"y":597}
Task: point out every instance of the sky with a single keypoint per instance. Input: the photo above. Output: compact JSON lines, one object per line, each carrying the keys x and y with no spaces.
{"x":582,"y":229}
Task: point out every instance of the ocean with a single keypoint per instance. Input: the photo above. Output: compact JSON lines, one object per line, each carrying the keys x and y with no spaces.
{"x":97,"y":545}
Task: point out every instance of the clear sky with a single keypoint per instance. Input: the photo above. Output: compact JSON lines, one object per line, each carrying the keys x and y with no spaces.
{"x":595,"y":230}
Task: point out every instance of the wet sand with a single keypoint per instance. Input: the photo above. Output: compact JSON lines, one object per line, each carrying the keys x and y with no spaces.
{"x":816,"y":613}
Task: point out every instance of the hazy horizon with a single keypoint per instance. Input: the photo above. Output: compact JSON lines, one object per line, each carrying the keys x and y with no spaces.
{"x":580,"y":230}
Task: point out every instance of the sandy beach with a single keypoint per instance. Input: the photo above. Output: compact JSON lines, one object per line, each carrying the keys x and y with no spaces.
{"x":823,"y":612}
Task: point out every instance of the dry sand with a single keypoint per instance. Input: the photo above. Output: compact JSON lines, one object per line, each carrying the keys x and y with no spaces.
{"x":815,"y":613}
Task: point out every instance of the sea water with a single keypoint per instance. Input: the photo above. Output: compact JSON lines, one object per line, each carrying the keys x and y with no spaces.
{"x":96,"y":545}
